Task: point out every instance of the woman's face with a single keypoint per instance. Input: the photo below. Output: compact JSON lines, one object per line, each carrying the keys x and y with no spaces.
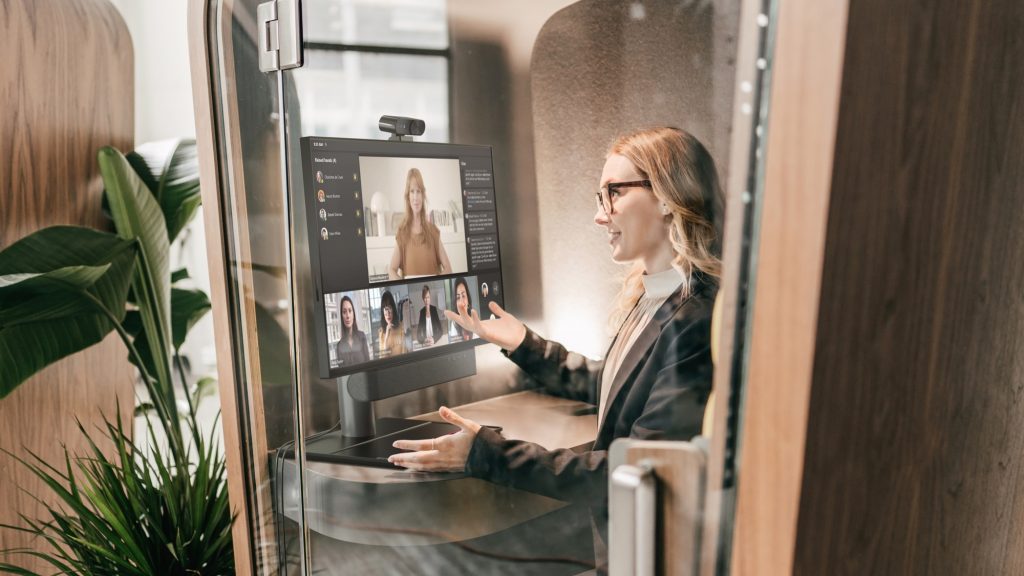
{"x":347,"y":314}
{"x":388,"y":314}
{"x":461,"y":298}
{"x":636,"y":228}
{"x":416,"y":196}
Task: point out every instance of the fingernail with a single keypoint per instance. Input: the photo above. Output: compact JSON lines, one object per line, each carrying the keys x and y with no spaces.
{"x":394,"y":444}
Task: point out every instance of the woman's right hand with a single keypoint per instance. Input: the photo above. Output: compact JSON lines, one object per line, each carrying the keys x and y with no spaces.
{"x":505,"y":330}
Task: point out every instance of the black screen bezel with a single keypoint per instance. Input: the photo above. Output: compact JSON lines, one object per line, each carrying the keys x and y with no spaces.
{"x":380,"y":148}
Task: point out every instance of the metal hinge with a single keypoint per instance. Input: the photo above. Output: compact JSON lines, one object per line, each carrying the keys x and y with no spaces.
{"x":280,"y":35}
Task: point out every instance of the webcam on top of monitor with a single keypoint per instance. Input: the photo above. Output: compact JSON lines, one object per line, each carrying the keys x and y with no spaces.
{"x":401,"y":127}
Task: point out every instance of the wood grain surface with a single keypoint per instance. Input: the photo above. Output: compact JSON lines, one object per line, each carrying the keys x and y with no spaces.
{"x":916,"y":421}
{"x":681,"y":470}
{"x":804,"y":96}
{"x":201,"y":53}
{"x":67,"y":90}
{"x":735,"y":172}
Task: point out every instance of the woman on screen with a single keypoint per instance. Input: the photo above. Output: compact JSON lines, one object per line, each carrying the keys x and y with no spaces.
{"x":352,"y":348}
{"x":464,"y":305}
{"x":418,"y":248}
{"x":390,"y":335}
{"x":657,"y":200}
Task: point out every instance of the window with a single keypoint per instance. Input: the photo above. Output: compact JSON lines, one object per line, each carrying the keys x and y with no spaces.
{"x":367,"y":58}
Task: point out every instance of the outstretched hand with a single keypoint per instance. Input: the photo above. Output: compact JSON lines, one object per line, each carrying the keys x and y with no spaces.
{"x":442,"y":454}
{"x":505,"y":330}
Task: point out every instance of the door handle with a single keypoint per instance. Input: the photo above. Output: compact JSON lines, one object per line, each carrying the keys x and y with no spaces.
{"x":632,"y":526}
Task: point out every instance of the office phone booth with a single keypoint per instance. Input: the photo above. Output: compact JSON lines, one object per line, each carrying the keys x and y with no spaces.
{"x":338,"y":343}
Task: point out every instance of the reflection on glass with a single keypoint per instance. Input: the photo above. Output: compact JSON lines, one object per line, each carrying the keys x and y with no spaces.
{"x":344,"y":93}
{"x":407,"y":23}
{"x":548,"y":100}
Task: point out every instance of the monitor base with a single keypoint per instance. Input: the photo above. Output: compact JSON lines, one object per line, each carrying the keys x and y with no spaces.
{"x":372,"y":450}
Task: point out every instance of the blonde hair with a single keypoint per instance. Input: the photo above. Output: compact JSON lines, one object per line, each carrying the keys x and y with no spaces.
{"x":684,"y":178}
{"x":430,"y":232}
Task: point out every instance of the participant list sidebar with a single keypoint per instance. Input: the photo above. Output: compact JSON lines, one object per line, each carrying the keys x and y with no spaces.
{"x":481,"y":216}
{"x":337,"y":196}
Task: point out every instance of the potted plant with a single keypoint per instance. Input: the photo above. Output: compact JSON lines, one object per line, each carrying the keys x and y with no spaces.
{"x":158,"y":509}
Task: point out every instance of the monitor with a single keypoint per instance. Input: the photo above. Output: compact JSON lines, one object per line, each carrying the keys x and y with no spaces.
{"x":399,"y":233}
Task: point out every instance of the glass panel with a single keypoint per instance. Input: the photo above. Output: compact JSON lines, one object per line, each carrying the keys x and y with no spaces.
{"x":521,"y":103}
{"x":344,"y":92}
{"x":393,"y":23}
{"x":246,"y":122}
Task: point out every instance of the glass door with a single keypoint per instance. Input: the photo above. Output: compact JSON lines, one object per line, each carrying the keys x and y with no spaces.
{"x":433,"y":239}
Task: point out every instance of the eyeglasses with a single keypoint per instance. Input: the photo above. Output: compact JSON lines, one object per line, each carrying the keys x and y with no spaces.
{"x":609,"y":192}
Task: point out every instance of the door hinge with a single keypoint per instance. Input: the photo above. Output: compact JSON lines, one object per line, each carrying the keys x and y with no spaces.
{"x":280,"y":35}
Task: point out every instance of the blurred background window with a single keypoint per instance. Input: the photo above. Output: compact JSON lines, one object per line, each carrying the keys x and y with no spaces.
{"x":367,"y":58}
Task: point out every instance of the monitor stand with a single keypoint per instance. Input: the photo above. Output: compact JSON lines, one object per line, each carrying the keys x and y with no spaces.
{"x":373,"y":450}
{"x":365,"y":440}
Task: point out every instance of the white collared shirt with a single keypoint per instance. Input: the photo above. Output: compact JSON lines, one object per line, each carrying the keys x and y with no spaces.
{"x":657,"y":288}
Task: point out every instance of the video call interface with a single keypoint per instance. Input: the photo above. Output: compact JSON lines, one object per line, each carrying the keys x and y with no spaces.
{"x":399,"y":233}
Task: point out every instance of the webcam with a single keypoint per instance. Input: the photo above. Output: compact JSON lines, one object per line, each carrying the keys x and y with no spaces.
{"x":402,"y":127}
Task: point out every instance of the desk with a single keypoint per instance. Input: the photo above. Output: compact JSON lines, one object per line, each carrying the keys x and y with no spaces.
{"x":380,"y":506}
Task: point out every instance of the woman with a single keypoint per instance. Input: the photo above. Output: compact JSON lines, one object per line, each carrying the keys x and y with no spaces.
{"x":464,"y":305}
{"x":657,"y":202}
{"x":418,"y":248}
{"x":390,"y":335}
{"x":352,"y":348}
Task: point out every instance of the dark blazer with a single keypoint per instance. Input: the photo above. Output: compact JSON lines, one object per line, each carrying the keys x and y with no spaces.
{"x":659,"y":393}
{"x":358,"y":352}
{"x":435,"y":319}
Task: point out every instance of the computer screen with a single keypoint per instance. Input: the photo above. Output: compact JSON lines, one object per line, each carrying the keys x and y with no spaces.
{"x":399,"y":233}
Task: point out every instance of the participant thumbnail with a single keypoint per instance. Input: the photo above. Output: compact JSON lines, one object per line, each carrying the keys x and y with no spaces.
{"x":430,"y":326}
{"x":465,"y":295}
{"x":348,"y":318}
{"x":413,"y":215}
{"x":390,"y":312}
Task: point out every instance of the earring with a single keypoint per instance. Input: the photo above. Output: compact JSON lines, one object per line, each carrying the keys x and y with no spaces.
{"x":664,"y":209}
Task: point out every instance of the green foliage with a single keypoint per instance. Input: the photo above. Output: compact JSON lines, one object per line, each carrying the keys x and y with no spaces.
{"x":137,"y":215}
{"x":62,"y":290}
{"x":171,"y":170}
{"x":153,"y":511}
{"x":133,"y":514}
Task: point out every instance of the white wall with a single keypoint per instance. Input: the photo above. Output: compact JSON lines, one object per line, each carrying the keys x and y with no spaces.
{"x":163,"y":86}
{"x":163,"y":109}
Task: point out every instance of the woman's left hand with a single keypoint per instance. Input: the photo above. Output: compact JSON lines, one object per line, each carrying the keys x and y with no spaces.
{"x":443,"y":454}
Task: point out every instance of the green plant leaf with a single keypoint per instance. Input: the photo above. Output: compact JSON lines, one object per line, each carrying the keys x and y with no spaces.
{"x":61,"y":290}
{"x":170,"y":169}
{"x":179,"y":275}
{"x":134,"y":512}
{"x":187,"y":308}
{"x":138,"y":216}
{"x":204,"y":388}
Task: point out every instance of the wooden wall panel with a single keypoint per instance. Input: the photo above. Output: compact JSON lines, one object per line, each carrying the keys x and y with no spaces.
{"x":916,"y":422}
{"x":66,"y":87}
{"x":798,"y":166}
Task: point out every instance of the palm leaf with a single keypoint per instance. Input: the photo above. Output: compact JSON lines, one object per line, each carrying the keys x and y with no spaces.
{"x":137,"y":216}
{"x":187,"y":308}
{"x":179,"y":275}
{"x":61,"y":290}
{"x":170,"y":169}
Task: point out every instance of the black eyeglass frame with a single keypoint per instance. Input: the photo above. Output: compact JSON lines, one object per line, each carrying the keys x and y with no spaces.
{"x":604,"y":194}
